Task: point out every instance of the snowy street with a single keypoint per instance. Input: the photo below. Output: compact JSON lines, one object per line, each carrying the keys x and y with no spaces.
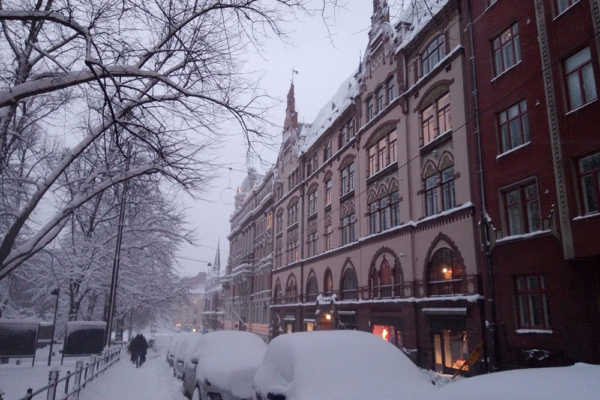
{"x":153,"y":381}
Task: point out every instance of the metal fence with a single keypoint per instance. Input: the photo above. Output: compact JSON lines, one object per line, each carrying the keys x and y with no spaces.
{"x":71,"y":384}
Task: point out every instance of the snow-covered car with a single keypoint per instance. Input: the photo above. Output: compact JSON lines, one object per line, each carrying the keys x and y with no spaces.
{"x":226,"y":362}
{"x":188,"y":375}
{"x":580,"y":381}
{"x":338,"y":365}
{"x":181,"y":351}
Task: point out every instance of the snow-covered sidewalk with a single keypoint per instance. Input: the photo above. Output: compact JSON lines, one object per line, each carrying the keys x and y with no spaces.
{"x":153,"y":381}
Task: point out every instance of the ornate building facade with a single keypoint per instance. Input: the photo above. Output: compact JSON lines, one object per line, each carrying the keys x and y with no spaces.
{"x":415,"y":205}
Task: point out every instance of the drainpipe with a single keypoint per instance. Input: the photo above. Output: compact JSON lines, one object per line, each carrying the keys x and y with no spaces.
{"x":490,"y":332}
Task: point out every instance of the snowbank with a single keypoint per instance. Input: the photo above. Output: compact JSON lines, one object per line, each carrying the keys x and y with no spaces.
{"x":580,"y":381}
{"x":332,"y":365}
{"x":229,"y":359}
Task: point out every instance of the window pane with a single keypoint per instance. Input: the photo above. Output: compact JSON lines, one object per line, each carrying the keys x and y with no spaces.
{"x":517,"y":44}
{"x":575,"y":98}
{"x":515,"y":132}
{"x":525,"y":126}
{"x":589,"y":163}
{"x":513,"y":200}
{"x":589,"y":193}
{"x":578,"y":59}
{"x":507,"y":53}
{"x":589,"y":83}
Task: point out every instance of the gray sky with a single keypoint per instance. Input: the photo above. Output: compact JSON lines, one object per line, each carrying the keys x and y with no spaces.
{"x":323,"y":63}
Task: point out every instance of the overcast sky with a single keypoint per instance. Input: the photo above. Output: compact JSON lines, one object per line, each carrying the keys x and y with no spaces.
{"x":323,"y":61}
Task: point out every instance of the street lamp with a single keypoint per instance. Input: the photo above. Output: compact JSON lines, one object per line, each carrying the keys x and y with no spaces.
{"x":55,"y":292}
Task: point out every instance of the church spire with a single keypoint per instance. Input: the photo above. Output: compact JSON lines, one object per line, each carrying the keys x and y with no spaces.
{"x":217,"y":262}
{"x":291,"y":116}
{"x":381,"y":12}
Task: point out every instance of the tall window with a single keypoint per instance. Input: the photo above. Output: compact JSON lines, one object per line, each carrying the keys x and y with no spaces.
{"x":312,"y":288}
{"x":431,"y":199}
{"x":277,"y":292}
{"x":436,"y":119}
{"x":374,"y":217}
{"x":347,"y":184}
{"x":293,"y":214}
{"x":293,"y":250}
{"x":394,"y":208}
{"x":349,"y":284}
{"x":507,"y":49}
{"x":348,"y":229}
{"x":446,"y":274}
{"x":327,"y":151}
{"x":312,"y":244}
{"x":514,"y":126}
{"x":522,"y":209}
{"x":581,"y":83}
{"x":328,"y":238}
{"x":562,"y":5}
{"x":391,"y":90}
{"x":370,"y":109}
{"x":328,"y":191}
{"x":433,"y":54}
{"x":279,"y":221}
{"x":532,"y":302}
{"x":380,"y":96}
{"x":448,"y":197}
{"x":382,"y":153}
{"x":328,"y":283}
{"x":589,"y":176}
{"x":291,"y":290}
{"x":312,"y":203}
{"x":279,"y":252}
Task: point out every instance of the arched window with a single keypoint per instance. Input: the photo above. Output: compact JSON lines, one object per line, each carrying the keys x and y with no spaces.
{"x":349,"y":284}
{"x":446,"y":273}
{"x":312,"y":288}
{"x":291,"y":290}
{"x":398,"y":281}
{"x":277,"y":292}
{"x":385,"y":277}
{"x":328,"y":283}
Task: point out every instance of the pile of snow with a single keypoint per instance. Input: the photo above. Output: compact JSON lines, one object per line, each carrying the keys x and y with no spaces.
{"x":580,"y":381}
{"x":228,"y":360}
{"x":332,"y":365}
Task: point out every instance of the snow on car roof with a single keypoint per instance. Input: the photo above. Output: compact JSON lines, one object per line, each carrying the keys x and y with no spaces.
{"x":331,"y":365}
{"x":229,"y":359}
{"x":580,"y":381}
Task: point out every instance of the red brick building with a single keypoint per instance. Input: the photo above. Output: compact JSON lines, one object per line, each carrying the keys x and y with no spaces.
{"x":535,"y":108}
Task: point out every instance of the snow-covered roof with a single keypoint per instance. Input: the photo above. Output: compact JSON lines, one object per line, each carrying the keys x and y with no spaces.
{"x":329,"y":113}
{"x":73,"y":326}
{"x":229,"y":359}
{"x":579,"y":381}
{"x":418,"y":15}
{"x":332,"y":365}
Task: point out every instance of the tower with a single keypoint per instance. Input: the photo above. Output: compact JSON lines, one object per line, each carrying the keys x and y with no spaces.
{"x":291,"y":116}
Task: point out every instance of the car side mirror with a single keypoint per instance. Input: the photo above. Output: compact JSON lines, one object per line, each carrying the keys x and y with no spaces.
{"x":194,"y":360}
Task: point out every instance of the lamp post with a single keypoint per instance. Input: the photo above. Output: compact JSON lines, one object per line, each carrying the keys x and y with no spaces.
{"x":55,"y":292}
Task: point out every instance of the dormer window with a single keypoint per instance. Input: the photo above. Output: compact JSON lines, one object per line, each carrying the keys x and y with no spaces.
{"x":434,"y":52}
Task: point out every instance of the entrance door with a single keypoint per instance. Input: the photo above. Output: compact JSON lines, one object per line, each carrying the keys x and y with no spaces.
{"x":437,"y":353}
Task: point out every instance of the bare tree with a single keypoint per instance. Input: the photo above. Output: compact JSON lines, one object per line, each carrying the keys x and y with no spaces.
{"x":160,"y":74}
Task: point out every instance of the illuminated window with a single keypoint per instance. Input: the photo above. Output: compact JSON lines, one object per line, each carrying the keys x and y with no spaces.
{"x":446,"y":274}
{"x":451,"y":350}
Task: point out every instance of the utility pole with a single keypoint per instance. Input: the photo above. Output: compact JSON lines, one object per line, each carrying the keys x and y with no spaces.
{"x":117,"y":258}
{"x":56,"y":293}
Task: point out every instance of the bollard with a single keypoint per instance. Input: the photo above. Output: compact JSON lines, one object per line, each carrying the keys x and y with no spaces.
{"x":52,"y":383}
{"x":85,"y":374}
{"x":78,"y":372}
{"x":29,"y":394}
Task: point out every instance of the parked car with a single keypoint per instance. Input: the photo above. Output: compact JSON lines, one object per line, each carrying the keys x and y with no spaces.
{"x":189,"y":363}
{"x":181,"y":350}
{"x":226,"y":362}
{"x":338,"y":365}
{"x":580,"y":381}
{"x":170,"y":354}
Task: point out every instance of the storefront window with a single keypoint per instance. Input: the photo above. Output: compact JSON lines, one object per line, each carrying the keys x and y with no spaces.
{"x":451,"y":350}
{"x":309,"y":326}
{"x":389,"y":333}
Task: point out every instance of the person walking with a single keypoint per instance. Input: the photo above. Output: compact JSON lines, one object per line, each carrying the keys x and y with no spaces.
{"x":143,"y":348}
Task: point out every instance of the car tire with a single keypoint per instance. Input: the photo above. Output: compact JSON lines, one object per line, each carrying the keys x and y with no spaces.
{"x":196,"y":394}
